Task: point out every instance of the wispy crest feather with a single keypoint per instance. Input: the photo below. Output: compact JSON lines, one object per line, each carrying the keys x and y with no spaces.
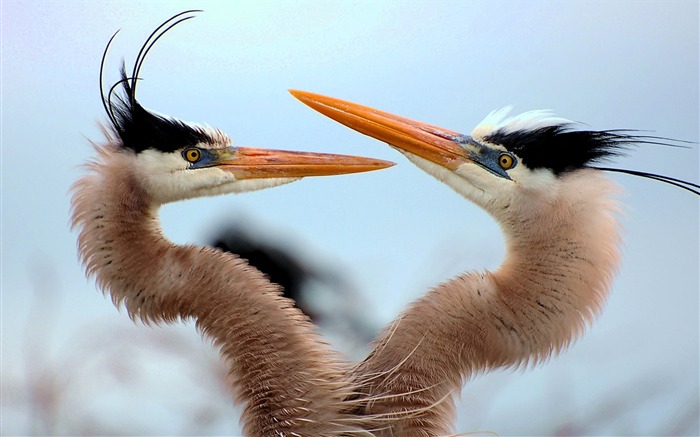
{"x":136,"y":127}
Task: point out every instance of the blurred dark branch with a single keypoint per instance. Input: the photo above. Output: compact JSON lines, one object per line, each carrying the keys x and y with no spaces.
{"x":297,"y":275}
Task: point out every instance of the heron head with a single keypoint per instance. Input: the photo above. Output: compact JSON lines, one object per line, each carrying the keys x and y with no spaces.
{"x":507,"y":164}
{"x":177,"y":160}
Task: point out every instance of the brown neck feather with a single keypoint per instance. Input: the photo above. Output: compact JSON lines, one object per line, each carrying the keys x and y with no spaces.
{"x":561,"y":255}
{"x":288,"y":378}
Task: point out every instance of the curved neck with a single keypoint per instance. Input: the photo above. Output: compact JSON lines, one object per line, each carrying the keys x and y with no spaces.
{"x":561,"y":255}
{"x":288,"y":379}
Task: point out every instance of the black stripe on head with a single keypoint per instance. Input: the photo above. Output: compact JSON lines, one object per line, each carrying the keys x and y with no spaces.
{"x":561,"y":149}
{"x":140,"y":129}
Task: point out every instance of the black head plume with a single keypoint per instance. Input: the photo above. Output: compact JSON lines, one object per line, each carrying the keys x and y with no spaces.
{"x":561,"y":149}
{"x":137,"y":128}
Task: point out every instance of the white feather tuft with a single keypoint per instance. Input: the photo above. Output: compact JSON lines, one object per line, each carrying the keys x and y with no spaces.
{"x":530,"y":120}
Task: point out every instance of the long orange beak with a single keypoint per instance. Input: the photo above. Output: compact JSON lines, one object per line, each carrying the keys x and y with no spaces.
{"x":430,"y":142}
{"x":253,"y":163}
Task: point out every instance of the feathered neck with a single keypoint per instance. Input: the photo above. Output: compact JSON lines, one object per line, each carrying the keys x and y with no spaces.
{"x":560,"y":258}
{"x":290,"y":381}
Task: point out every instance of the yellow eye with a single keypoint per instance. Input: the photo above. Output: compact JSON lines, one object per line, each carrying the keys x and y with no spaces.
{"x":506,"y":161}
{"x":192,"y":155}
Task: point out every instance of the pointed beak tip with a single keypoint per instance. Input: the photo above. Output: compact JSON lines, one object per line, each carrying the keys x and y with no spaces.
{"x":362,"y":165}
{"x":381,"y":164}
{"x":298,"y":94}
{"x":315,"y":101}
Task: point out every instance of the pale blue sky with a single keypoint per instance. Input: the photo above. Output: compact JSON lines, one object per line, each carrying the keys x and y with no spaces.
{"x":396,"y":232}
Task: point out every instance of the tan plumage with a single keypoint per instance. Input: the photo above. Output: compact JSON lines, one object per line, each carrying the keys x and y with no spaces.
{"x":534,"y":175}
{"x":531,"y":174}
{"x":296,"y":388}
{"x":290,"y":382}
{"x":560,"y":259}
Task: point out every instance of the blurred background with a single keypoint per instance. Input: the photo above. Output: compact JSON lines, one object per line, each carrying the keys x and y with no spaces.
{"x":73,"y":364}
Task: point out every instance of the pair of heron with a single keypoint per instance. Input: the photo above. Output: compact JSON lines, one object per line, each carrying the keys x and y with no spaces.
{"x":536,"y":175}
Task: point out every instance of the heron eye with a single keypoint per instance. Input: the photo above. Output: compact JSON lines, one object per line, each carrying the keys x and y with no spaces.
{"x":192,"y":155}
{"x":506,"y":161}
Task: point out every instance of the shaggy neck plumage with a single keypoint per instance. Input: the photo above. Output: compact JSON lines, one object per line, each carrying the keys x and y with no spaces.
{"x":560,"y":258}
{"x":288,"y":379}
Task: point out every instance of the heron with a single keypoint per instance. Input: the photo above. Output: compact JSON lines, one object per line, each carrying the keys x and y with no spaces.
{"x":540,"y":178}
{"x":289,"y":380}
